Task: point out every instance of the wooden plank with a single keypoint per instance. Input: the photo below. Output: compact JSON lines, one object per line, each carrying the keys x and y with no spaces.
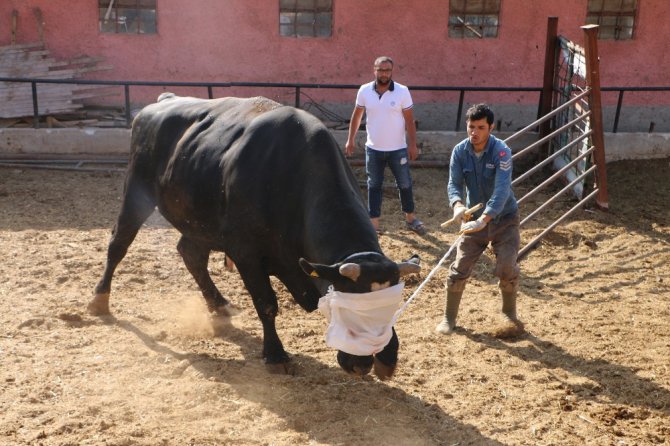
{"x":45,"y":75}
{"x":27,"y":68}
{"x":4,"y":123}
{"x":33,"y":61}
{"x":21,"y":46}
{"x":85,"y":59}
{"x":8,"y":55}
{"x":52,"y":109}
{"x":69,"y":73}
{"x":46,"y":89}
{"x":27,"y":65}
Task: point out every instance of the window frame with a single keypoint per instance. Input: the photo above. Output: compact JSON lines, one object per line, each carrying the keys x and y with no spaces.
{"x":472,"y":19}
{"x":115,"y":13}
{"x":601,"y":16}
{"x":294,"y":18}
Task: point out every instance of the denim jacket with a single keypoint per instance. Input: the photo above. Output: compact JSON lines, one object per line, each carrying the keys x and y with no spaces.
{"x":488,"y":179}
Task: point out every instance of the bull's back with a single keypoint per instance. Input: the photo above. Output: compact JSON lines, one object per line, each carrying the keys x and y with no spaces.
{"x":235,"y":166}
{"x":176,"y":124}
{"x":177,"y":151}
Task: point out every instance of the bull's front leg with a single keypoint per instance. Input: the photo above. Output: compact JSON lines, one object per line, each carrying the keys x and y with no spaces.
{"x":265,"y":302}
{"x":386,"y":360}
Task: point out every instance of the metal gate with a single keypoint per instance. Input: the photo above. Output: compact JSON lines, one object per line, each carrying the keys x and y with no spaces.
{"x":571,"y":142}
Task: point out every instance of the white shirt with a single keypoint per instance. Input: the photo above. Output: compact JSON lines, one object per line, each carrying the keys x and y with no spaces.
{"x":385,"y":122}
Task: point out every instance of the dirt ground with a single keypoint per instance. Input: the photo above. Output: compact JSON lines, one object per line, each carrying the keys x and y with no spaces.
{"x":592,"y":369}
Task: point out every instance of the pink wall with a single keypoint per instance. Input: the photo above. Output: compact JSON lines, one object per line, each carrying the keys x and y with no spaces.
{"x":237,"y":40}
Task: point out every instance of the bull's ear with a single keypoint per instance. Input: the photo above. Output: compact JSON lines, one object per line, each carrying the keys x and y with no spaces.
{"x":327,"y":272}
{"x":308,"y":268}
{"x":406,"y":268}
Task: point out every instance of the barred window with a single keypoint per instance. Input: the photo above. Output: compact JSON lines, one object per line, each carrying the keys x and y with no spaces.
{"x":616,"y":18}
{"x":305,"y":18}
{"x":127,"y":16}
{"x":474,"y":18}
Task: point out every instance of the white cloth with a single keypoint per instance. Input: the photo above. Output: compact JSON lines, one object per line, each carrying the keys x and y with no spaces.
{"x":360,"y":323}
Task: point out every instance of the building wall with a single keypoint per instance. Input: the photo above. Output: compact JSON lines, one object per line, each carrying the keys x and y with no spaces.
{"x":238,"y":40}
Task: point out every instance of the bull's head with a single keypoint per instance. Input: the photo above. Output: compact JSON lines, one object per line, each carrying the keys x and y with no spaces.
{"x":365,"y":273}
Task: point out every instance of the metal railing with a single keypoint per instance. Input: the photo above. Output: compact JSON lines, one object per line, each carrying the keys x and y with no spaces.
{"x":560,"y":173}
{"x":211,"y":85}
{"x":619,"y":105}
{"x":297,"y":92}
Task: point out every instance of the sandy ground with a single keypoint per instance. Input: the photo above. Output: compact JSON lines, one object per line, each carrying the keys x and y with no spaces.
{"x":593,"y":368}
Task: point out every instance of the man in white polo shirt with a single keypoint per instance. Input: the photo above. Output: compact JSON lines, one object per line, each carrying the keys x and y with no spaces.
{"x":391,"y":139}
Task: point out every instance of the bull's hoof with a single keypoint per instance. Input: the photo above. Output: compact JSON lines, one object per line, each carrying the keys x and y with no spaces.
{"x":99,"y":305}
{"x":281,"y":368}
{"x":382,"y":371}
{"x":227,"y":310}
{"x":510,"y":330}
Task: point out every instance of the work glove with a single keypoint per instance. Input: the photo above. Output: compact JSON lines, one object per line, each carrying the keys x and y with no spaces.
{"x":473,"y":226}
{"x":459,"y":214}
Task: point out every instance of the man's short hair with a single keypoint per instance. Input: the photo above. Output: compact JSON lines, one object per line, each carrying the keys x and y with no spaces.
{"x":479,"y":111}
{"x":381,"y":59}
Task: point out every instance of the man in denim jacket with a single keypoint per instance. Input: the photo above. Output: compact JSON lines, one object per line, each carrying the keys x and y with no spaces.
{"x":480,"y":171}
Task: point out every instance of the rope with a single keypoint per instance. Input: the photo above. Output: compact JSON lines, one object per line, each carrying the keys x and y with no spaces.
{"x":428,"y":277}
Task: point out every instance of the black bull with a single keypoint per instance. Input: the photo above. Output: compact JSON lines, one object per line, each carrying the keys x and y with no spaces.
{"x":266,"y":184}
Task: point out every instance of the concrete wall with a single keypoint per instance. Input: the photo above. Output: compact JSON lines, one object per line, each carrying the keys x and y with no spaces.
{"x":19,"y":143}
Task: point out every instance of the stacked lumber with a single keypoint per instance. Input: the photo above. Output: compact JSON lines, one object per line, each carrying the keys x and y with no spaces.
{"x":32,"y":60}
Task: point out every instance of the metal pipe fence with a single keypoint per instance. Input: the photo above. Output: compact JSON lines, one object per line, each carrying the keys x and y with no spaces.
{"x":298,"y":87}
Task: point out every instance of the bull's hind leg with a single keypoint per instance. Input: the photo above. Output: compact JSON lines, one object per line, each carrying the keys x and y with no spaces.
{"x":196,"y":258}
{"x":136,"y":208}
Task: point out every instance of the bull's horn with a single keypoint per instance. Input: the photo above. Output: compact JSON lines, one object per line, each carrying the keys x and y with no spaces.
{"x":351,"y":270}
{"x":406,"y":268}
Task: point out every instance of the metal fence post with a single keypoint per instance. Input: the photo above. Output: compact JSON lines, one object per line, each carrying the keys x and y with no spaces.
{"x":548,"y":82}
{"x":36,"y":112}
{"x":126,"y":92}
{"x":593,"y":80}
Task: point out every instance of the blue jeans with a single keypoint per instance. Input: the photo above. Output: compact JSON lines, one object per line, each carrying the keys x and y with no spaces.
{"x":375,"y":163}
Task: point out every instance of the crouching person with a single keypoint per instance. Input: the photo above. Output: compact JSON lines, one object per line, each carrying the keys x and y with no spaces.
{"x":480,"y":171}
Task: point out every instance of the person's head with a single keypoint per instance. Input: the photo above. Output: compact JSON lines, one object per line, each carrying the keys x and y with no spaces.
{"x":479,"y":119}
{"x":383,"y":69}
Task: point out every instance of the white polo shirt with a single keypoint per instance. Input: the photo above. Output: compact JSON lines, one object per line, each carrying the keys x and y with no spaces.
{"x":385,"y":123}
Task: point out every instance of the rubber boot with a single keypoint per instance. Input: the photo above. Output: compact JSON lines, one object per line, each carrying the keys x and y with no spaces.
{"x":509,"y":305}
{"x":513,"y":326}
{"x":455,"y":288}
{"x":448,"y":324}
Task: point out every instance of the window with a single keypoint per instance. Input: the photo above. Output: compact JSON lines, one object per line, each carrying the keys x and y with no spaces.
{"x":127,"y":16}
{"x":616,"y":18}
{"x":305,"y":18}
{"x":474,"y":18}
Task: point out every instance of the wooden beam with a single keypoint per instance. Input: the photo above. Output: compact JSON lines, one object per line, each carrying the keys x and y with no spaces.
{"x":40,"y":23}
{"x":15,"y":19}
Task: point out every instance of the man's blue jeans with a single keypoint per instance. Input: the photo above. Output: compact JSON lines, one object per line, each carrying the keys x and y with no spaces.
{"x":375,"y":164}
